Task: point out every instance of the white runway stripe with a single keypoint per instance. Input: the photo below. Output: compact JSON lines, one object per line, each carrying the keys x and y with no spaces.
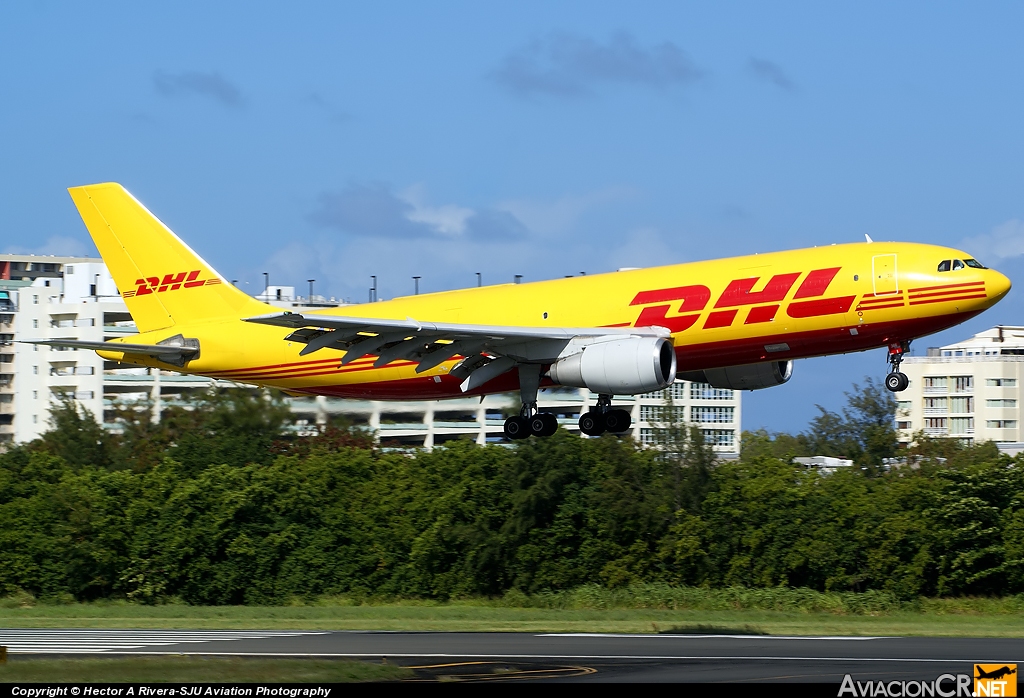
{"x":42,"y":641}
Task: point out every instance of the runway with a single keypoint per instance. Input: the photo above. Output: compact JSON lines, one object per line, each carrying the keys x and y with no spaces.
{"x":563,"y":656}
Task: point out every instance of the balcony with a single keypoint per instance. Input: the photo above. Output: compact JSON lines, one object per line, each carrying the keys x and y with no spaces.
{"x":935,"y":411}
{"x":935,"y":390}
{"x":936,"y":431}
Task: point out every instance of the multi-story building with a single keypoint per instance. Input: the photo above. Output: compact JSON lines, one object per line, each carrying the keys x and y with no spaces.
{"x":429,"y":423}
{"x":75,"y":298}
{"x":970,"y":390}
{"x":51,"y":298}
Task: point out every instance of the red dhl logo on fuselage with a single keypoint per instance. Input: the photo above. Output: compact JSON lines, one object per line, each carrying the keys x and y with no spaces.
{"x":808,"y":301}
{"x":739,"y":294}
{"x":169,"y":282}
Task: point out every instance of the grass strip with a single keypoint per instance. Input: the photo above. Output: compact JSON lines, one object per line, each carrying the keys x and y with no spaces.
{"x":457,"y":617}
{"x":191,"y":669}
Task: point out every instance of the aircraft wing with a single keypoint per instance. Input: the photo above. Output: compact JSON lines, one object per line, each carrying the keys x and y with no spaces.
{"x":489,"y":350}
{"x":175,"y":351}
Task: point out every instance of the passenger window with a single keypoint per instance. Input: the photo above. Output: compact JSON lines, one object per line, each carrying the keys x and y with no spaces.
{"x":974,"y":264}
{"x":957,"y":264}
{"x":944,"y":265}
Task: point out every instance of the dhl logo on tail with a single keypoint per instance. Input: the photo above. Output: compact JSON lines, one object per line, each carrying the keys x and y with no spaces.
{"x":169,"y":282}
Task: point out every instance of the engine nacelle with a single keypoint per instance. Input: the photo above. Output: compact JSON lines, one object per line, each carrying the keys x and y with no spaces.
{"x":619,"y":366}
{"x":748,"y":377}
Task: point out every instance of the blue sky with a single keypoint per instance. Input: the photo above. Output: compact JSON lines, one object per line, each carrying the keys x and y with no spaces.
{"x":334,"y":141}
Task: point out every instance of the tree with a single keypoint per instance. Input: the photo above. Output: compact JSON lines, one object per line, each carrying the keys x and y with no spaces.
{"x":686,"y":459}
{"x":76,"y":437}
{"x":865,"y":431}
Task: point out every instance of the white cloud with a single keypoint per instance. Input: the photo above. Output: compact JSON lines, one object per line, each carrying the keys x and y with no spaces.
{"x":567,"y":65}
{"x":59,"y":245}
{"x":642,"y":247}
{"x":374,"y":210}
{"x":395,"y":234}
{"x":561,"y":215}
{"x":1002,"y":242}
{"x":449,"y":219}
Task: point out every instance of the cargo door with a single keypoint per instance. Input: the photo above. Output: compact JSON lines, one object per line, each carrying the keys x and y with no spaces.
{"x":884,"y":274}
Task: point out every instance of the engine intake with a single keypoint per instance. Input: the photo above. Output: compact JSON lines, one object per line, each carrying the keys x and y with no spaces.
{"x":748,"y":377}
{"x":619,"y":366}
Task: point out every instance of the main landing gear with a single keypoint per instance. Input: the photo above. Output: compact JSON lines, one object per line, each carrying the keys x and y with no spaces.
{"x":603,"y":418}
{"x":524,"y":425}
{"x":897,"y":382}
{"x":529,"y":421}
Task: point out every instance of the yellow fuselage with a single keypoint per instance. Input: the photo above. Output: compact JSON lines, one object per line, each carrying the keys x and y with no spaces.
{"x":740,"y":310}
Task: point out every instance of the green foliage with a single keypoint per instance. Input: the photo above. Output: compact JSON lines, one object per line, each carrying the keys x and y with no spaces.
{"x":217,"y":505}
{"x":864,"y":432}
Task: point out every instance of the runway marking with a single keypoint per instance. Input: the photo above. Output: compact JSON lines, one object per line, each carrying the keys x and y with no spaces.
{"x":511,"y":674}
{"x":470,"y":655}
{"x":86,"y":641}
{"x":705,"y":637}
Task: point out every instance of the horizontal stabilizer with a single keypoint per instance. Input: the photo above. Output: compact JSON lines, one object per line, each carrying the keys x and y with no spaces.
{"x":175,"y":352}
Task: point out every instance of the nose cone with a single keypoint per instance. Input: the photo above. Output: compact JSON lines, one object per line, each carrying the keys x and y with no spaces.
{"x":997,"y":285}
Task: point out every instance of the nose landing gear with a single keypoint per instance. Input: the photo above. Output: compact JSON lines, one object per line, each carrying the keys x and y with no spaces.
{"x":897,"y":382}
{"x":603,"y":418}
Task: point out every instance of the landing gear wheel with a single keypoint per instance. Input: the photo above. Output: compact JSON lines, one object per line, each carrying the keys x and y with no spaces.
{"x":897,"y":382}
{"x":543,"y":424}
{"x":517,"y":427}
{"x":592,"y":423}
{"x":617,"y":421}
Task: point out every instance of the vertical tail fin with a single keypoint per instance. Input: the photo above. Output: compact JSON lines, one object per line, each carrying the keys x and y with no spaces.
{"x":162,"y":281}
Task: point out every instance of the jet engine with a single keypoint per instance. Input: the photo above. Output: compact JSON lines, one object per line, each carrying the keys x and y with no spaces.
{"x":748,"y":377}
{"x":619,"y":367}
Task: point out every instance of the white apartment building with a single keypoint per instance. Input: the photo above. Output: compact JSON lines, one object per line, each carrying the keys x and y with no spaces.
{"x":970,"y":390}
{"x":75,"y":298}
{"x":51,"y":298}
{"x":430,"y":423}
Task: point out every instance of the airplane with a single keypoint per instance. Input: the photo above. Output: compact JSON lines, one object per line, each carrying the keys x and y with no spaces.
{"x":995,"y":673}
{"x":734,"y":323}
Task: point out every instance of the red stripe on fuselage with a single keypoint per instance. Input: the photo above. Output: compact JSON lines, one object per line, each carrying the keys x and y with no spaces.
{"x":935,"y":288}
{"x":268,"y":367}
{"x":318,"y":370}
{"x":880,"y":307}
{"x":938,"y":294}
{"x":948,"y":299}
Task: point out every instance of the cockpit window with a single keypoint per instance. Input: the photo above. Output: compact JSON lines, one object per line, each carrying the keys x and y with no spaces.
{"x":974,"y":264}
{"x":944,"y":265}
{"x":957,"y":264}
